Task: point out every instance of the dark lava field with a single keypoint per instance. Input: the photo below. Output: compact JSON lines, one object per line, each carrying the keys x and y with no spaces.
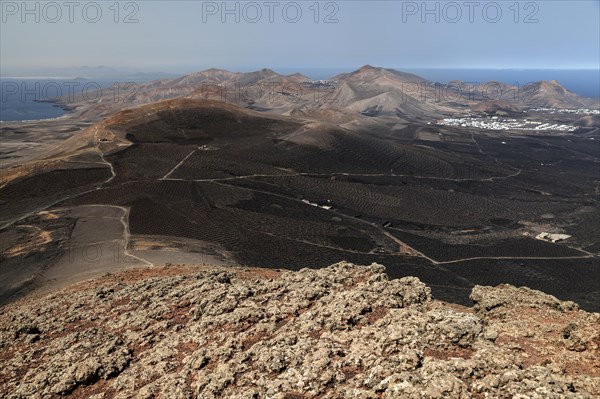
{"x":456,"y":211}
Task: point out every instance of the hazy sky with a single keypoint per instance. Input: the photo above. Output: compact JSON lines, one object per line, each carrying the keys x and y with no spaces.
{"x":174,"y":36}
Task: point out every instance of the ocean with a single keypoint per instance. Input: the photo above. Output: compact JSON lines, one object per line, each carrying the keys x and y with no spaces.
{"x":16,"y":104}
{"x":26,"y":98}
{"x":20,"y":97}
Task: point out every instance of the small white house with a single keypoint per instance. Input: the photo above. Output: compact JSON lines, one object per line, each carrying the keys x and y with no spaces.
{"x":552,"y":237}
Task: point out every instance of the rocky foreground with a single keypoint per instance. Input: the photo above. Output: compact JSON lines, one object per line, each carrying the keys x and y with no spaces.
{"x":340,"y":332}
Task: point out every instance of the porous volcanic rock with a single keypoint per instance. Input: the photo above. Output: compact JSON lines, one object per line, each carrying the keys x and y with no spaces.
{"x":341,"y":332}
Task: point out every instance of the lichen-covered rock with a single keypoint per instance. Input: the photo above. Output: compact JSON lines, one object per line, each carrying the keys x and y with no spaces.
{"x":487,"y":299}
{"x":341,"y":332}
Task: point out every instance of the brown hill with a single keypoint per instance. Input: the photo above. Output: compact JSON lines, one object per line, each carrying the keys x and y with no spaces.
{"x":496,"y":107}
{"x":552,"y":94}
{"x":368,"y":73}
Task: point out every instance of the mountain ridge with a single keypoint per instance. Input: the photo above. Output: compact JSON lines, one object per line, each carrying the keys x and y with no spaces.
{"x":274,"y":93}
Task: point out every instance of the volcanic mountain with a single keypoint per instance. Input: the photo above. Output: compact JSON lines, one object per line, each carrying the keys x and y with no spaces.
{"x":552,"y":94}
{"x":367,"y":96}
